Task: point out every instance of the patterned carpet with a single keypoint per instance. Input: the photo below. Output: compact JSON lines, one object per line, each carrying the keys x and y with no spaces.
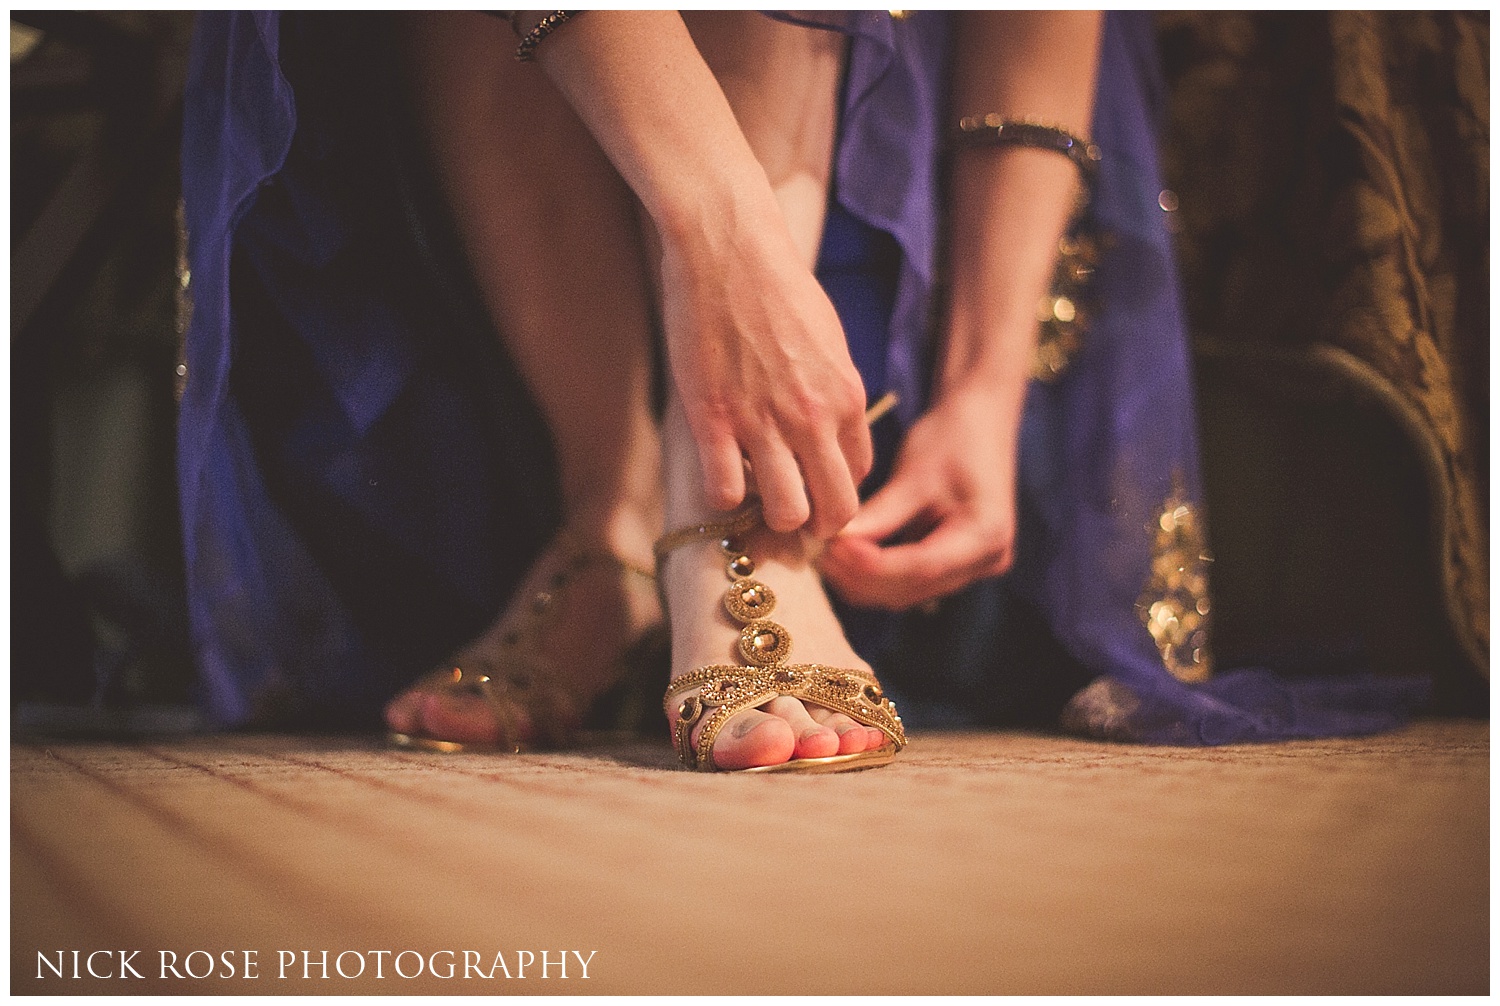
{"x":980,"y":863}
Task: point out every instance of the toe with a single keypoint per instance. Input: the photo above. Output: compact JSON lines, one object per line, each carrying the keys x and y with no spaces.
{"x":462,"y":718}
{"x":852,"y":736}
{"x":751,"y":739}
{"x":404,"y":711}
{"x":813,"y":739}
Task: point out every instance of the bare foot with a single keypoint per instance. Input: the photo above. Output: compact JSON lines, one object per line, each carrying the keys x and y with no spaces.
{"x":555,"y":648}
{"x":695,"y":581}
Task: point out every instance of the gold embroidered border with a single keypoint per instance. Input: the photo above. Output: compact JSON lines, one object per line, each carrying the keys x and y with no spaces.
{"x":1174,"y":605}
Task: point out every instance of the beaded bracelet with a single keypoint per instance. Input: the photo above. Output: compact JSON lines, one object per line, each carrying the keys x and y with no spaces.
{"x":995,"y":131}
{"x":526,"y":51}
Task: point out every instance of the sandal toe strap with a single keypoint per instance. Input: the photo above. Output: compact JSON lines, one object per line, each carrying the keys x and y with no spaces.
{"x":725,"y":689}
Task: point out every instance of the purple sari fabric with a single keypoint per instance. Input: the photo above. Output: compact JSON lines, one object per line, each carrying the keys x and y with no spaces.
{"x":1107,"y":449}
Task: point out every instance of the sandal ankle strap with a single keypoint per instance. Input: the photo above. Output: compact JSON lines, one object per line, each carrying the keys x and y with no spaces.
{"x":744,"y":519}
{"x":749,"y":515}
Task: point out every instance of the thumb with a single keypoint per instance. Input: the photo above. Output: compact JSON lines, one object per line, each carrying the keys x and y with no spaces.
{"x":889,"y":510}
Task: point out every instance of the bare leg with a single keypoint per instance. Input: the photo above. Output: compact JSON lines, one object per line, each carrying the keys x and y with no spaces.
{"x":781,"y":81}
{"x":550,"y":232}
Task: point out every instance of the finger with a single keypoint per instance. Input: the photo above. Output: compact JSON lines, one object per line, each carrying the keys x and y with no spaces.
{"x":896,"y":505}
{"x":847,"y":557}
{"x":783,"y":498}
{"x":859,"y":450}
{"x":723,"y":469}
{"x":848,"y":566}
{"x":943,"y":561}
{"x":999,"y":567}
{"x":831,"y":486}
{"x":953,"y":556}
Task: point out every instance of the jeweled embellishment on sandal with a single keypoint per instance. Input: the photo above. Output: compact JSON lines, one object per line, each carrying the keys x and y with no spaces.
{"x":748,"y":600}
{"x":841,"y":685}
{"x":764,"y":644}
{"x":716,"y":693}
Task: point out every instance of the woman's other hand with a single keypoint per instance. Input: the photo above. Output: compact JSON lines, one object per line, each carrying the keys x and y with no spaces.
{"x":945,"y":519}
{"x":947,"y":516}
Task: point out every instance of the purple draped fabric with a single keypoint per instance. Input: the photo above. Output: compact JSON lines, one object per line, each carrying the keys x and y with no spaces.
{"x":1102,"y":448}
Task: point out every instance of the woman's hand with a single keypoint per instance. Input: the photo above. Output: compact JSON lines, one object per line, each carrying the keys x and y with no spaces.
{"x":759,"y":360}
{"x":946,"y":518}
{"x":755,"y":349}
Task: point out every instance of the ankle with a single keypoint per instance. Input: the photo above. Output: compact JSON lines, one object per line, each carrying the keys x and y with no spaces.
{"x":694,"y":582}
{"x":622,"y":527}
{"x":789,"y":551}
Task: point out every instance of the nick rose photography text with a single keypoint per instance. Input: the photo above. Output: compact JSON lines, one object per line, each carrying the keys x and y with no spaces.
{"x":225,"y":964}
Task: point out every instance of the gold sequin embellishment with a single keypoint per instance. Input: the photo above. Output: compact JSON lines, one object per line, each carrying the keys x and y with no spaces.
{"x":1064,"y":313}
{"x":1174,"y":605}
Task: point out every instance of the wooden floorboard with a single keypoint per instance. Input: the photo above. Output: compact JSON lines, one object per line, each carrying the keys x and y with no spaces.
{"x":979,"y":862}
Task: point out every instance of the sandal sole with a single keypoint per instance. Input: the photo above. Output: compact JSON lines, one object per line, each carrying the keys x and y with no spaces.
{"x":855,"y":762}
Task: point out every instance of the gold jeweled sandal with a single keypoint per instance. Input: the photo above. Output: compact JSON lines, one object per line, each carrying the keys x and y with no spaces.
{"x":517,"y":678}
{"x":726,"y":689}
